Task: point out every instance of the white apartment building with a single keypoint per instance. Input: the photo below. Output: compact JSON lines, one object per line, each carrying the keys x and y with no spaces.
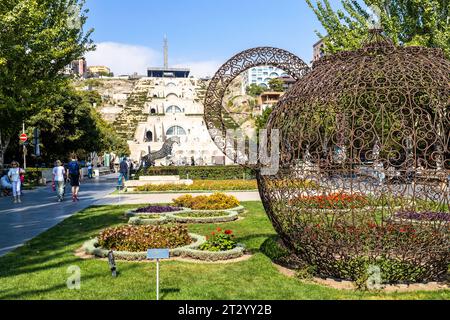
{"x":261,"y":76}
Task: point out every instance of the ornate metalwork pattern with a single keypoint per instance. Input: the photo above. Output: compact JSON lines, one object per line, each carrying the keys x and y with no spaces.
{"x":365,"y":163}
{"x":214,"y":110}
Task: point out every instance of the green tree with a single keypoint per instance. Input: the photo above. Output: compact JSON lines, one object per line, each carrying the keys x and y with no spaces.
{"x":261,"y":121}
{"x":254,"y":90}
{"x":407,"y":22}
{"x":69,"y":123}
{"x":276,"y":84}
{"x":38,"y":38}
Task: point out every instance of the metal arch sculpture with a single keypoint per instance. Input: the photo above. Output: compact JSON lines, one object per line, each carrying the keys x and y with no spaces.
{"x":290,"y":63}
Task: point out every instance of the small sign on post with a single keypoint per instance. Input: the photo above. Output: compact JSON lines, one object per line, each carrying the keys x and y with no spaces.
{"x":157,"y":254}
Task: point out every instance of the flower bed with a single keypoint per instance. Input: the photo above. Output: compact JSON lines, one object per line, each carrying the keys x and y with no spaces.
{"x":204,"y":216}
{"x":154,"y":210}
{"x":139,"y":238}
{"x":92,"y":247}
{"x":216,"y":201}
{"x":157,"y":209}
{"x":203,"y":185}
{"x":332,"y":201}
{"x":186,"y":217}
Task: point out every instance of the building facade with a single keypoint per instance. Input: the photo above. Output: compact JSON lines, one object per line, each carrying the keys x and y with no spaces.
{"x":77,"y":67}
{"x":261,"y":76}
{"x":173,"y":108}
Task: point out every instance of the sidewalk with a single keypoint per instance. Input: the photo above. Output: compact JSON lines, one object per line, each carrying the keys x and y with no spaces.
{"x":39,"y":210}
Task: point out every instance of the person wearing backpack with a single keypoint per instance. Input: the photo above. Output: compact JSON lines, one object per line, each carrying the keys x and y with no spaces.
{"x":74,"y":175}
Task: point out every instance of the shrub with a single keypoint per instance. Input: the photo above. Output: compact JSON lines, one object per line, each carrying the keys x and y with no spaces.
{"x":208,"y":185}
{"x":202,"y":214}
{"x":217,"y":201}
{"x":141,"y":238}
{"x":157,"y":209}
{"x":220,"y":240}
{"x":202,"y":172}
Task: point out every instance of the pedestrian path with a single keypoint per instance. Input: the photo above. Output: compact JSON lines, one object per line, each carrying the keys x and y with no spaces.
{"x":39,"y":210}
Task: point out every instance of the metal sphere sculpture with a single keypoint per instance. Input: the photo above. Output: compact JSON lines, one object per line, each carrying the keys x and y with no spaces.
{"x":365,"y":164}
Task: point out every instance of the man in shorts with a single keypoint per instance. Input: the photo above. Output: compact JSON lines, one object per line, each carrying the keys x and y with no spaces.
{"x":75,"y":176}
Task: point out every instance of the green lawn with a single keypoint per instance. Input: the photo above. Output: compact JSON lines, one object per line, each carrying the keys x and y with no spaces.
{"x":38,"y":270}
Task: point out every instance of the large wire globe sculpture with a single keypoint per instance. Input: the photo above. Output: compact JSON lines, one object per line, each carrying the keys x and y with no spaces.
{"x":364,"y":174}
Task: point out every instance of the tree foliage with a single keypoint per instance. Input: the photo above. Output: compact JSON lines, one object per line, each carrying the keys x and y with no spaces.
{"x":276,"y":84}
{"x":254,"y":90}
{"x":407,"y":22}
{"x":38,"y":38}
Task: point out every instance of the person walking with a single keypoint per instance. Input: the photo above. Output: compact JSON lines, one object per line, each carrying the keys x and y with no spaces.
{"x":123,"y":172}
{"x":14,"y":176}
{"x":75,"y":176}
{"x":59,"y":180}
{"x":89,"y":168}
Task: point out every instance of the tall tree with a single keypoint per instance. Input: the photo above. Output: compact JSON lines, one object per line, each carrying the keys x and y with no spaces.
{"x":38,"y":38}
{"x":407,"y":22}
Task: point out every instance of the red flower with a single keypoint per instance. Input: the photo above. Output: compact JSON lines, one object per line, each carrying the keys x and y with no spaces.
{"x":218,"y":229}
{"x":228,"y":232}
{"x":403,"y":230}
{"x":213,"y":233}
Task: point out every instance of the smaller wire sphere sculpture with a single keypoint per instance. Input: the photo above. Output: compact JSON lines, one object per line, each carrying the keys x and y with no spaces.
{"x":364,"y":176}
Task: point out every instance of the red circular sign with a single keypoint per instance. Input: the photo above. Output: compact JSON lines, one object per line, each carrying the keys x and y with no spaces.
{"x":23,"y":137}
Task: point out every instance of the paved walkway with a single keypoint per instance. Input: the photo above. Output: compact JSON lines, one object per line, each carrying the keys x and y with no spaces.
{"x":39,"y":210}
{"x":167,"y":197}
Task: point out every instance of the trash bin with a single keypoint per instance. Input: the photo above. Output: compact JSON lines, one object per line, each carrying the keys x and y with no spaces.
{"x":96,"y":173}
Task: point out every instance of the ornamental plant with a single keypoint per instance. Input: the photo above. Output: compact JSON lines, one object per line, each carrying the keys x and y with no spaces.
{"x":157,"y":209}
{"x":220,"y":240}
{"x":216,"y":201}
{"x":140,"y":238}
{"x":331,"y":201}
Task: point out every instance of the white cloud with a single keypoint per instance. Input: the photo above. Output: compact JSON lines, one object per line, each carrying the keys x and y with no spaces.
{"x":123,"y":58}
{"x":201,"y":68}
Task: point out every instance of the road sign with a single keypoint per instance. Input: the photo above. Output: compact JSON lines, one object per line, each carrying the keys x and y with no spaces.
{"x":157,"y":254}
{"x":23,"y":137}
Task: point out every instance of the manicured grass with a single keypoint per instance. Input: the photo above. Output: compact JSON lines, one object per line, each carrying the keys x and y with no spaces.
{"x":38,"y":270}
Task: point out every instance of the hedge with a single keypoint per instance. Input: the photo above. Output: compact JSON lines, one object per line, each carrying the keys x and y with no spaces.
{"x":201,"y":172}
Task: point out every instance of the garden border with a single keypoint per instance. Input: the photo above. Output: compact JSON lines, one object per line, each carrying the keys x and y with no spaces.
{"x":189,"y":251}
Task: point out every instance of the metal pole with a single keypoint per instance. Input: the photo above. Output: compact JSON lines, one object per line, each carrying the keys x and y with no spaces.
{"x":157,"y":279}
{"x":24,"y":149}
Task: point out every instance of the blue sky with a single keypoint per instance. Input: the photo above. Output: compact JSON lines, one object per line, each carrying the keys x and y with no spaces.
{"x":202,"y":34}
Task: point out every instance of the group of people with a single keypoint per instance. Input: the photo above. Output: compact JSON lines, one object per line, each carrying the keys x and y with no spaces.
{"x":13,"y":179}
{"x":61,"y":175}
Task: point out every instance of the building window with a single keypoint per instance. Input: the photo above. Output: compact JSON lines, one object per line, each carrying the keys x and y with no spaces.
{"x":176,"y":131}
{"x":149,"y":136}
{"x":153,"y":111}
{"x":173,"y":109}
